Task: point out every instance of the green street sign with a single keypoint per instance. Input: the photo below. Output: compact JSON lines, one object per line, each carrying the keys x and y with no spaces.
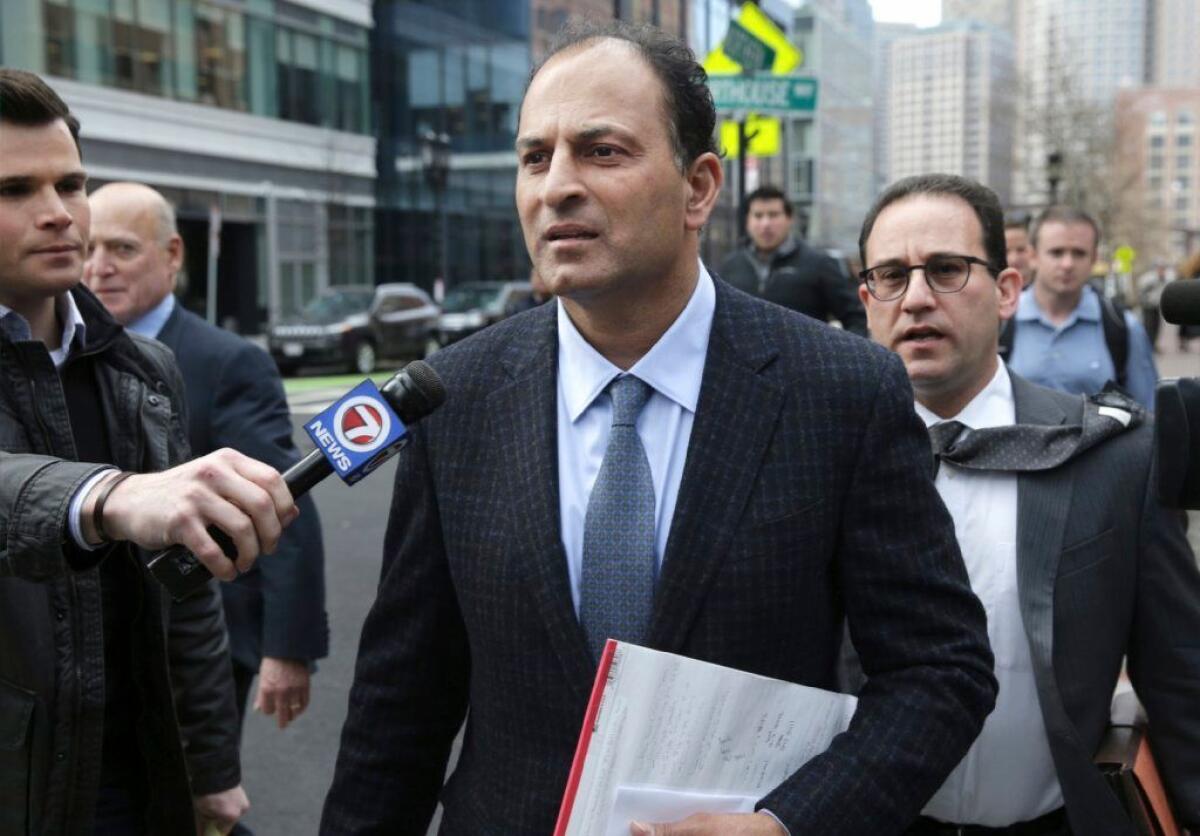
{"x":764,"y":93}
{"x":747,"y":50}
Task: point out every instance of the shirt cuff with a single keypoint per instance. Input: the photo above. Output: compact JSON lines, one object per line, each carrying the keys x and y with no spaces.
{"x":772,"y":815}
{"x":75,"y":512}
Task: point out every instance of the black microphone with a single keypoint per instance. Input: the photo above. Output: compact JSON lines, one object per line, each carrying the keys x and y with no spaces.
{"x":1180,"y":302}
{"x":354,"y":436}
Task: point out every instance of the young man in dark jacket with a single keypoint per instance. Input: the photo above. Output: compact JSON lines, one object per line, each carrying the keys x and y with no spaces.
{"x":778,"y":266}
{"x":116,"y":706}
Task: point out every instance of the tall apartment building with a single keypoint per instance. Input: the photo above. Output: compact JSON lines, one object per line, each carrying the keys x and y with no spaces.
{"x":1002,"y":14}
{"x":885,"y":35}
{"x":830,"y":152}
{"x":950,"y":104}
{"x":1174,"y":60}
{"x":1160,"y":154}
{"x":256,"y":113}
{"x":458,"y":68}
{"x":1068,"y":52}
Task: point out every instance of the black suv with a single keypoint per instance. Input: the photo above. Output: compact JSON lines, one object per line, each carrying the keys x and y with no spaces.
{"x":354,"y":327}
{"x":472,"y":306}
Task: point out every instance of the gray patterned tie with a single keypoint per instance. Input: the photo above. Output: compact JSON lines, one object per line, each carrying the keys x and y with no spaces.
{"x":617,"y":589}
{"x":1028,"y":447}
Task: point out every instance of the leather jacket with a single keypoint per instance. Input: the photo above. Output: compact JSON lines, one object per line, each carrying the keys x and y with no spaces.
{"x":52,"y":690}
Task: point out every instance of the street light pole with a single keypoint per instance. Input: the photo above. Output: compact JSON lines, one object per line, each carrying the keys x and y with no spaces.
{"x":1054,"y":170}
{"x":435,"y":161}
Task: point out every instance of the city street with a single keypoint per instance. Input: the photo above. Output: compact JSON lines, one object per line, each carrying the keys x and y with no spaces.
{"x":288,"y":773}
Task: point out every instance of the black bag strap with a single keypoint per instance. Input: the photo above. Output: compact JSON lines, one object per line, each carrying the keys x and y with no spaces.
{"x":1008,"y":334}
{"x":1116,"y":337}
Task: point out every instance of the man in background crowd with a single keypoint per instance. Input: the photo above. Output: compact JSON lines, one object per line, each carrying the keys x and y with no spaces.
{"x":777,"y":265}
{"x":1067,"y":336}
{"x":1019,"y":251}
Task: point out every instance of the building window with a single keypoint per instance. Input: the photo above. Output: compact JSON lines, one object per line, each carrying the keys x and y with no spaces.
{"x":1158,"y":141}
{"x":1183,"y":141}
{"x":1183,"y":161}
{"x":220,"y":57}
{"x":59,"y":21}
{"x":140,"y":45}
{"x":296,"y":67}
{"x":1156,"y":161}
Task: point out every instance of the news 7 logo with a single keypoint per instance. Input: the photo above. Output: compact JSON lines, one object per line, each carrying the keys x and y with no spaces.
{"x":362,"y":424}
{"x":357,"y":433}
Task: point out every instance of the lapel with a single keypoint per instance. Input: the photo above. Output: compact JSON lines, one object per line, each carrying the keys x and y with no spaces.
{"x":523,"y":426}
{"x":735,"y":418}
{"x":1043,"y":500}
{"x":170,"y":333}
{"x":1043,"y":505}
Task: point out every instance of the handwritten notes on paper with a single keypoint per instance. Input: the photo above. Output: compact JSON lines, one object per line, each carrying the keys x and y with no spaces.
{"x":676,"y":731}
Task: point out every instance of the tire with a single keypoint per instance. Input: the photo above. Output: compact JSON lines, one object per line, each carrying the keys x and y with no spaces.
{"x":363,"y":358}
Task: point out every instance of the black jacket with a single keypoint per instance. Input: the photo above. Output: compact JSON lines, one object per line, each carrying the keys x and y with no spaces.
{"x":52,"y":688}
{"x":802,"y":279}
{"x":235,"y":399}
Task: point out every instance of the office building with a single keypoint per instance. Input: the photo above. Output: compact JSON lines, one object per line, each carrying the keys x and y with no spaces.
{"x":251,"y":114}
{"x":950,"y":105}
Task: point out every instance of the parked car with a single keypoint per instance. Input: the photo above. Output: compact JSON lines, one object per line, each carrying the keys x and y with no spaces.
{"x":355,"y":327}
{"x":473,"y":306}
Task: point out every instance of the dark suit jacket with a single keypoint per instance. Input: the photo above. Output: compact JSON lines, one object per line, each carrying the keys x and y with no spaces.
{"x":805,"y":498}
{"x":235,"y":399}
{"x":1105,"y":572}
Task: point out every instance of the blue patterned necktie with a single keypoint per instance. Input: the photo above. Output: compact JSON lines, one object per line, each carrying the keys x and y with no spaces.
{"x":617,"y":589}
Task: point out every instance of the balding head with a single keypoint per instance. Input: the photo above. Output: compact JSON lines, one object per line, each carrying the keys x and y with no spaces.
{"x":135,"y":249}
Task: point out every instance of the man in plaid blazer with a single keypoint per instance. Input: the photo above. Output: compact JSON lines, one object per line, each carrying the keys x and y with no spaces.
{"x":799,"y":479}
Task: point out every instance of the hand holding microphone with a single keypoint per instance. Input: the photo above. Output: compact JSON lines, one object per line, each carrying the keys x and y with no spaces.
{"x":354,"y":436}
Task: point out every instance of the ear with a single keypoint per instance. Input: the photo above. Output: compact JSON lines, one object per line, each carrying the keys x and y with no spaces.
{"x":175,"y":256}
{"x":704,"y":178}
{"x":1008,"y":292}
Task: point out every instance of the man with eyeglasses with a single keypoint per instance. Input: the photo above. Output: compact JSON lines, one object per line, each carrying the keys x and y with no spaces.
{"x":1076,"y":564}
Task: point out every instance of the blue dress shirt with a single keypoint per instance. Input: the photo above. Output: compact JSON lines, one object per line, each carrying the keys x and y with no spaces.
{"x":1073,"y":357}
{"x":673,"y":367}
{"x":153,"y":320}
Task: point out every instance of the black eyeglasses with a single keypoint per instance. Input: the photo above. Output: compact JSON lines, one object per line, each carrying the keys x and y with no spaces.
{"x":943,"y":274}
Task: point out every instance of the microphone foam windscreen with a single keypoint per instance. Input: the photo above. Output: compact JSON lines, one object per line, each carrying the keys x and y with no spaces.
{"x":1180,"y":304}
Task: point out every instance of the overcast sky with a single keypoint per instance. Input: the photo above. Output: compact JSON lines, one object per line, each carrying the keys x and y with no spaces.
{"x":920,"y":12}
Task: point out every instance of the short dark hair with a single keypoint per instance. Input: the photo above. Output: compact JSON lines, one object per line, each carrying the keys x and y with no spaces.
{"x":27,"y":100}
{"x":769,"y":193}
{"x":982,"y":200}
{"x":689,"y":103}
{"x":1016,"y":220}
{"x":1065,"y":215}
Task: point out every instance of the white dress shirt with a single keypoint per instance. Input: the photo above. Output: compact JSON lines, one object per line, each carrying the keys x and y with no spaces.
{"x":1008,"y":774}
{"x":673,"y":368}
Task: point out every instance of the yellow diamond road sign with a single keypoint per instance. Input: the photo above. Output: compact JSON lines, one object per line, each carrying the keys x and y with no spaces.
{"x":752,"y":22}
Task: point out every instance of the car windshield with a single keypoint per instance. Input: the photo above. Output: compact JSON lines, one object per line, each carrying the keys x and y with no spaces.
{"x":471,"y":297}
{"x":338,"y":303}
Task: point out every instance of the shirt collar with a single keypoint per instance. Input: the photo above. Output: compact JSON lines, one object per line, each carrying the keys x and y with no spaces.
{"x":152,"y":321}
{"x":674,"y":366}
{"x":16,"y":327}
{"x":1088,"y":308}
{"x":992,"y":407}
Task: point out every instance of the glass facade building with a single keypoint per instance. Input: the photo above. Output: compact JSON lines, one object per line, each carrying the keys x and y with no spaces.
{"x":254,"y":114}
{"x":458,"y":68}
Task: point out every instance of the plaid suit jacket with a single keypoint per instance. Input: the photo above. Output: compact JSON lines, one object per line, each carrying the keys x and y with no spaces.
{"x":805,"y":501}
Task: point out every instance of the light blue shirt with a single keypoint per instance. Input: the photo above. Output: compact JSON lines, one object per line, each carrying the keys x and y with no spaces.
{"x":153,"y":320}
{"x":673,"y":368}
{"x":17,"y":329}
{"x":1073,"y":357}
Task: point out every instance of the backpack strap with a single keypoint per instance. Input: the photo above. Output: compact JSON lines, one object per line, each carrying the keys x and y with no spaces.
{"x":1116,"y":337}
{"x":1008,"y":335}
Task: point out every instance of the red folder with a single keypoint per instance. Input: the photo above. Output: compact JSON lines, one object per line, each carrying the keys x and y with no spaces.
{"x":585,"y":737}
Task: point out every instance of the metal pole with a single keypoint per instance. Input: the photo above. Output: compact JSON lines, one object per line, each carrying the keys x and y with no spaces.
{"x":741,"y":187}
{"x":444,"y":235}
